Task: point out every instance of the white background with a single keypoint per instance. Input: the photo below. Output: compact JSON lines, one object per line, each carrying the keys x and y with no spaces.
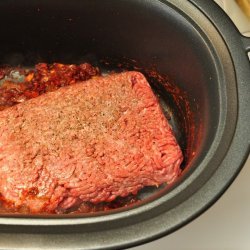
{"x":226,"y":225}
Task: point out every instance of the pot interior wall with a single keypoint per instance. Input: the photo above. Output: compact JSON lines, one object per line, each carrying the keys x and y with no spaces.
{"x":153,"y":35}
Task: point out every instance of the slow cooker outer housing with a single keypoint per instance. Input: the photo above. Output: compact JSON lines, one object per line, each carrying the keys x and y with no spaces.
{"x":222,"y":156}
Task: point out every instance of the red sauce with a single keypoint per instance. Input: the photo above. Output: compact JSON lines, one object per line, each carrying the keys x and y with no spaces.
{"x":87,"y":207}
{"x":44,"y":78}
{"x":80,"y":208}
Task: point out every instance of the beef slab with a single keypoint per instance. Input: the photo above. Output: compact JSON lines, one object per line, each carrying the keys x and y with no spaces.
{"x":93,"y":141}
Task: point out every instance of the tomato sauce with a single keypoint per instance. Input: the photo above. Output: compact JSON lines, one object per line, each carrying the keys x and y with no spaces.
{"x":18,"y":85}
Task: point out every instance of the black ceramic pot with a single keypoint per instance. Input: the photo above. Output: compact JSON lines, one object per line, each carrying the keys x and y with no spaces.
{"x":196,"y":45}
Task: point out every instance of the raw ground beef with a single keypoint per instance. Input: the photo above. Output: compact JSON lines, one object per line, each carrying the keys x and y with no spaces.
{"x":90,"y":142}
